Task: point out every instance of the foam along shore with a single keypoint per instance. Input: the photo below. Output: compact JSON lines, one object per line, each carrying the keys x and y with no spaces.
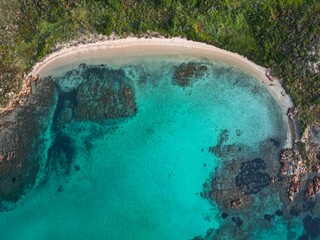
{"x":122,"y":50}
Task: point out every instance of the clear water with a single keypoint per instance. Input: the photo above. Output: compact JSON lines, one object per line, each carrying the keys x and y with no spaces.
{"x":142,"y":177}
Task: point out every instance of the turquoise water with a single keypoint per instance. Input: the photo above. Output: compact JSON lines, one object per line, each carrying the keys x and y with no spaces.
{"x":142,"y":176}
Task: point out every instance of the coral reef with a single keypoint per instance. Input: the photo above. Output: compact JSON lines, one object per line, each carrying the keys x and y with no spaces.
{"x":186,"y":73}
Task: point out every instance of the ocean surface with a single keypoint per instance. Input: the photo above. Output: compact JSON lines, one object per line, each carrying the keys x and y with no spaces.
{"x":164,"y":163}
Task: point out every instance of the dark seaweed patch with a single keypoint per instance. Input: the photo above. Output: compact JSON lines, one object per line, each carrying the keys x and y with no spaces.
{"x":186,"y":73}
{"x":66,"y":100}
{"x":105,"y":94}
{"x":206,"y":237}
{"x":237,"y":220}
{"x":61,"y":153}
{"x":279,"y":213}
{"x":295,"y":212}
{"x":251,"y":178}
{"x":311,"y":226}
{"x":275,"y":142}
{"x":268,"y":217}
{"x":13,"y":180}
{"x":60,"y":188}
{"x":224,"y":215}
{"x":103,"y":73}
{"x":303,"y":237}
{"x":77,"y":167}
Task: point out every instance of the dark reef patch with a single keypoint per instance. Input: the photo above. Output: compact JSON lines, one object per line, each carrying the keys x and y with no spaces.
{"x":60,"y":189}
{"x":61,"y":154}
{"x":279,"y":213}
{"x":243,"y":182}
{"x":237,"y":220}
{"x":311,"y":226}
{"x":303,"y":237}
{"x":252,"y":177}
{"x":104,"y":93}
{"x":224,"y":215}
{"x":186,"y":73}
{"x":77,"y":167}
{"x":218,"y":148}
{"x":275,"y":142}
{"x":226,"y":151}
{"x":208,"y":236}
{"x":268,"y":217}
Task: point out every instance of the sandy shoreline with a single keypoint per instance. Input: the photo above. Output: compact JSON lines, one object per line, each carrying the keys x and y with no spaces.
{"x":132,"y":47}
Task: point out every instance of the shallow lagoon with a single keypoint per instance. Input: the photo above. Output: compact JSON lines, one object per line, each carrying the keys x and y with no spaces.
{"x":145,"y":175}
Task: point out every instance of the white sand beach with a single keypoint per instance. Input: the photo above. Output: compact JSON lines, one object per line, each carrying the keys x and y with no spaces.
{"x":133,"y":47}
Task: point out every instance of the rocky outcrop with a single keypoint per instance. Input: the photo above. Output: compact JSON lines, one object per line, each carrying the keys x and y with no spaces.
{"x":295,"y":184}
{"x":298,"y":166}
{"x":291,"y":162}
{"x":236,"y":203}
{"x":313,"y":187}
{"x":20,"y":125}
{"x":186,"y":73}
{"x":293,"y":168}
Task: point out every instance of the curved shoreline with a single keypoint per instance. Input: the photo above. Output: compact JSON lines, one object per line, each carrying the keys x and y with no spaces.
{"x":132,"y":47}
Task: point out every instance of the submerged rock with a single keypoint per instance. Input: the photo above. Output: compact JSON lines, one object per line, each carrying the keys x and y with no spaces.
{"x":303,"y":237}
{"x":295,"y":212}
{"x":237,"y":220}
{"x":77,"y":168}
{"x":236,"y":203}
{"x":185,"y":73}
{"x":208,"y":236}
{"x":224,"y":150}
{"x":104,"y":94}
{"x":313,"y":187}
{"x":279,"y":213}
{"x":311,"y":226}
{"x":224,"y":215}
{"x":252,"y":177}
{"x":268,"y":217}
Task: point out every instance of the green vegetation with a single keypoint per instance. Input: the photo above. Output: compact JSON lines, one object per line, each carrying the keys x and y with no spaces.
{"x":281,"y":34}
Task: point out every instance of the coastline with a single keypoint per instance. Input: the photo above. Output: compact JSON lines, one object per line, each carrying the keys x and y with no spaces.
{"x":132,"y":47}
{"x":33,"y":101}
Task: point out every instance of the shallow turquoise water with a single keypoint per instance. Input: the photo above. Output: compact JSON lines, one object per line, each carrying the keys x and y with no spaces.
{"x":141,"y":177}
